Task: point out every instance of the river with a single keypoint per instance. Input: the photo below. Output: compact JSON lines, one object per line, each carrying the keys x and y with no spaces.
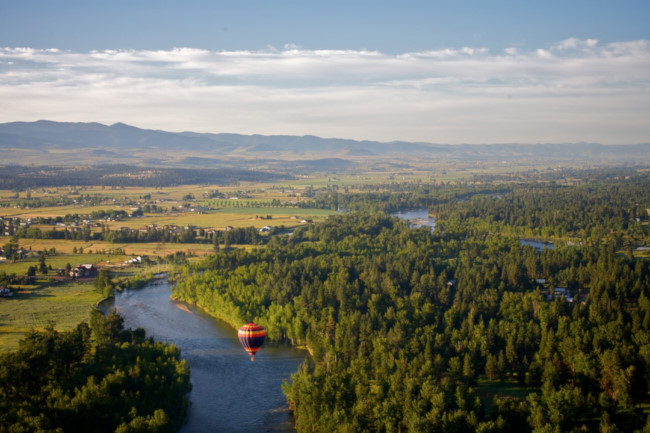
{"x":417,"y":218}
{"x":230,"y":393}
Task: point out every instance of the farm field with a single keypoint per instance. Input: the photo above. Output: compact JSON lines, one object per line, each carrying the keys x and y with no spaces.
{"x":67,"y":303}
{"x":58,"y":261}
{"x":219,"y":219}
{"x":179,"y":205}
{"x":37,"y":305}
{"x":257,"y":207}
{"x":65,"y":247}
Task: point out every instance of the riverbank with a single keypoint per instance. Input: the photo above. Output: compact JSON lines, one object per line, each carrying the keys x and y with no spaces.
{"x":62,"y":302}
{"x":221,"y":372}
{"x":236,"y":323}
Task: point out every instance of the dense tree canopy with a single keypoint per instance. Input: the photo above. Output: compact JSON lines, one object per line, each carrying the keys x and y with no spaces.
{"x":97,"y":378}
{"x":410,"y":330}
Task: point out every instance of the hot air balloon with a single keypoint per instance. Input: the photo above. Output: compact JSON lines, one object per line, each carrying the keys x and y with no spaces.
{"x":251,"y":336}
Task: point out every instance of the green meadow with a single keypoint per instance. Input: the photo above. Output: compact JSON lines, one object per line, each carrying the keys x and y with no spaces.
{"x":38,"y":305}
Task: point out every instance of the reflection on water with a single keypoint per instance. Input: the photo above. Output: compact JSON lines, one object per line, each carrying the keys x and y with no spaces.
{"x":539,"y":246}
{"x":417,"y":217}
{"x":230,"y":393}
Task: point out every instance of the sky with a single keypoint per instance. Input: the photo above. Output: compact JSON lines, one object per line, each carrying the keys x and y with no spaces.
{"x":432,"y":71}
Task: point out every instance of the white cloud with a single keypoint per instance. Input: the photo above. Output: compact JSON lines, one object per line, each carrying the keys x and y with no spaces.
{"x":576,"y":44}
{"x":575,"y":90}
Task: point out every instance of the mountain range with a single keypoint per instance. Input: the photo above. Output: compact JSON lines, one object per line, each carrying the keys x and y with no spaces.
{"x":66,"y":143}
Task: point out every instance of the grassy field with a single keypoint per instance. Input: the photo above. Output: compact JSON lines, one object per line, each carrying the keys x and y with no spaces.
{"x":487,"y":390}
{"x":59,"y":260}
{"x":53,"y":211}
{"x":642,"y":254}
{"x":219,"y":219}
{"x":253,"y":200}
{"x":137,"y":249}
{"x":35,"y":306}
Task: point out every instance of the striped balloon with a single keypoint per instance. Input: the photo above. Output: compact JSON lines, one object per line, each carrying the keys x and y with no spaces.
{"x":252,"y":336}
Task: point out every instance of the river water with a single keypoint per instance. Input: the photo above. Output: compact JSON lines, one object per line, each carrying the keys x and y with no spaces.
{"x":417,"y":217}
{"x":539,"y":246}
{"x":230,"y":393}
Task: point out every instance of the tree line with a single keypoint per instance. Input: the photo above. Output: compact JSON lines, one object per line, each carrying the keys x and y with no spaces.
{"x":236,"y":235}
{"x":22,"y":177}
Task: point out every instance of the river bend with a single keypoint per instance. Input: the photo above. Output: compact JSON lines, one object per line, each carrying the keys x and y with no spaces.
{"x":230,"y":393}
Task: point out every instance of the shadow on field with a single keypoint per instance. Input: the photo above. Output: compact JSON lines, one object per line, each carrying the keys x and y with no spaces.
{"x":31,"y":294}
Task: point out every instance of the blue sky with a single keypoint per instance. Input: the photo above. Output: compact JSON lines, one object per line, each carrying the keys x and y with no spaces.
{"x":435,"y":71}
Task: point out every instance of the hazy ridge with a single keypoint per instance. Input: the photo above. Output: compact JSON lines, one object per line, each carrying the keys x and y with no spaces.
{"x":66,"y":143}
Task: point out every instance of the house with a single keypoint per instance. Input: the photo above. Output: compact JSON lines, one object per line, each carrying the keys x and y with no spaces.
{"x":561,"y":292}
{"x":84,"y":270}
{"x":266,"y":229}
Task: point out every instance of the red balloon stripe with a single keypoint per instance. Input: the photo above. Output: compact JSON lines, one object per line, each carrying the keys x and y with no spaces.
{"x":251,"y":336}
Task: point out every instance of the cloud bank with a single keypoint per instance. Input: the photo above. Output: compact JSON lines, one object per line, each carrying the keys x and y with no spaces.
{"x":576,"y":90}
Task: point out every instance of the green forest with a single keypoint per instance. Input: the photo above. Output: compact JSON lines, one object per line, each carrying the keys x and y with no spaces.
{"x":95,"y":378}
{"x":463,"y":328}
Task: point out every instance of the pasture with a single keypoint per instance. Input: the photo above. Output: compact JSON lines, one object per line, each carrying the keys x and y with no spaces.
{"x":37,"y":305}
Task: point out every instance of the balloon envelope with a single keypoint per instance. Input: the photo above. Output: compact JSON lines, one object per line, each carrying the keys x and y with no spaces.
{"x":251,"y":336}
